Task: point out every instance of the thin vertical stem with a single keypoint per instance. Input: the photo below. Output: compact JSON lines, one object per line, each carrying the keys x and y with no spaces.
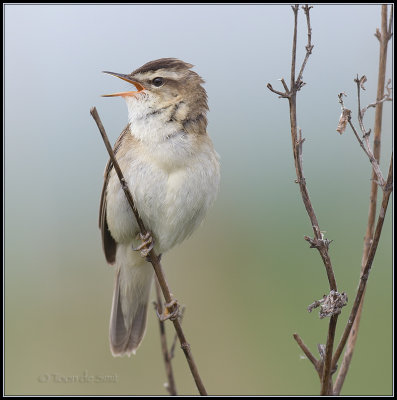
{"x":326,"y":382}
{"x":171,"y":387}
{"x":383,"y":37}
{"x":365,"y":273}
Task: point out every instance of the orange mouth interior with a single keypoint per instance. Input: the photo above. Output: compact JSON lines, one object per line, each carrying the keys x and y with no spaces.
{"x":138,"y":86}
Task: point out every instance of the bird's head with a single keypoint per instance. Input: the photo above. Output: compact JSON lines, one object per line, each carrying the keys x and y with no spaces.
{"x":162,"y":83}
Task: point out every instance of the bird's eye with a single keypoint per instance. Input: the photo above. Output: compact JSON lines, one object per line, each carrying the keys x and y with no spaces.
{"x":158,"y":81}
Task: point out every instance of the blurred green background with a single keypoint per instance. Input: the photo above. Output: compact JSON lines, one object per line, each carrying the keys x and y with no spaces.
{"x":246,"y":276}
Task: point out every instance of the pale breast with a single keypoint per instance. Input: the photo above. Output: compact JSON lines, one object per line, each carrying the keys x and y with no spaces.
{"x":173,"y":186}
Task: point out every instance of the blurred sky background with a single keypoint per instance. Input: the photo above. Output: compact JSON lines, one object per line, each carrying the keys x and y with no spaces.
{"x":247,"y":275}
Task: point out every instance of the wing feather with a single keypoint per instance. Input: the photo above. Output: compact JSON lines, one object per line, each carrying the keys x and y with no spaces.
{"x":109,"y":245}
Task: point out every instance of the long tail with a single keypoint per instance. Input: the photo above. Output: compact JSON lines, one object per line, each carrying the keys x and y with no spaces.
{"x":130,"y":301}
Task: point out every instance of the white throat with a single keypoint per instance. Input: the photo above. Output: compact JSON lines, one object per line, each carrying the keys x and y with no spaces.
{"x":150,"y":121}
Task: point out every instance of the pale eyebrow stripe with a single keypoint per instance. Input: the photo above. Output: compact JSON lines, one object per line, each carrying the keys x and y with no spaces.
{"x":163,"y":73}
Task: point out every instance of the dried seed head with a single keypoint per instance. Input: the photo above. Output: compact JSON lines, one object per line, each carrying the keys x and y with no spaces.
{"x":343,"y":120}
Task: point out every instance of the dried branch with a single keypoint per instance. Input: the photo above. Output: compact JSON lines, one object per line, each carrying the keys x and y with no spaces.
{"x":330,"y":306}
{"x":172,"y":349}
{"x":388,"y":188}
{"x":326,"y":382}
{"x":293,"y":90}
{"x":389,"y":32}
{"x":170,"y":385}
{"x":308,"y":353}
{"x":297,"y":84}
{"x":281,"y":94}
{"x":366,"y":148}
{"x":385,"y":97}
{"x":318,"y":241}
{"x":152,"y":256}
{"x":309,"y":46}
{"x":385,"y":35}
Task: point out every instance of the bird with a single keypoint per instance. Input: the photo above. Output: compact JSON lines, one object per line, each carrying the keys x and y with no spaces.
{"x":173,"y":172}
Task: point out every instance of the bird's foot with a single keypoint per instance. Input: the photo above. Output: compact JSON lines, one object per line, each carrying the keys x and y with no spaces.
{"x":146,"y":246}
{"x":171,"y":311}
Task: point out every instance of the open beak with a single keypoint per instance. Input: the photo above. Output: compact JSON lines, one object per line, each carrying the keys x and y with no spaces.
{"x":126,"y":78}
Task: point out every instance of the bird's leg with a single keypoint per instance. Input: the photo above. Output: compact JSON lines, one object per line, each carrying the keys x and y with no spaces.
{"x":171,"y":311}
{"x":146,"y":245}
